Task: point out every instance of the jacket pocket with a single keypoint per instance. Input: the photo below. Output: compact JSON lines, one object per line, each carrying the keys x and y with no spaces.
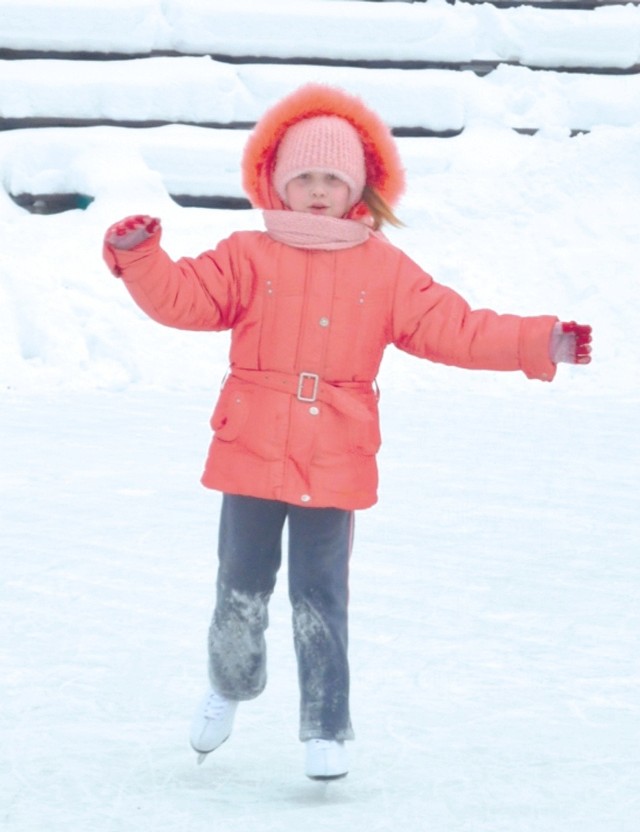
{"x":230,"y":414}
{"x":364,"y":434}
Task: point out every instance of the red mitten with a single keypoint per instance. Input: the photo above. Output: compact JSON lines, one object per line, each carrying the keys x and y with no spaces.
{"x":132,"y":231}
{"x":571,"y":343}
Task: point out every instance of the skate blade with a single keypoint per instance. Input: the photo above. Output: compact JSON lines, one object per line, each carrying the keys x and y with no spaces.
{"x":202,"y":755}
{"x":327,"y":778}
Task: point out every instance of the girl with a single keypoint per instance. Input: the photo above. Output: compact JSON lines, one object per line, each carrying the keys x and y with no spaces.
{"x":312,"y":303}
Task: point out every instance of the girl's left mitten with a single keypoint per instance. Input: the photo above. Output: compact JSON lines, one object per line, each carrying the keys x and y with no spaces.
{"x":570,"y":343}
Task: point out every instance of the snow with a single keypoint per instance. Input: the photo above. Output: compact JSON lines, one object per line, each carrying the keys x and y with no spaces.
{"x":433,"y":31}
{"x":494,"y":595}
{"x":203,"y":90}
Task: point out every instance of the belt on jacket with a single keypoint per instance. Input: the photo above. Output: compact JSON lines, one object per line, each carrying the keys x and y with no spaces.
{"x":309,"y":387}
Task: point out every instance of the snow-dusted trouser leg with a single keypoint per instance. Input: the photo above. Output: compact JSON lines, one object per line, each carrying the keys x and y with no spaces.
{"x":249,"y":558}
{"x":319,"y":549}
{"x":249,"y":553}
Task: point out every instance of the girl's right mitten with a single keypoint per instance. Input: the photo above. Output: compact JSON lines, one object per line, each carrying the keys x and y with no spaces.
{"x":132,"y":231}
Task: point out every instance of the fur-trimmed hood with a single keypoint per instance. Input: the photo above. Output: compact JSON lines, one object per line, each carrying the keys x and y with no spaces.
{"x":383,"y":166}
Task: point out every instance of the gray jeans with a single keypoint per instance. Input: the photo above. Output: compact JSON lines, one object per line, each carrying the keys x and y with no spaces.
{"x":249,"y":551}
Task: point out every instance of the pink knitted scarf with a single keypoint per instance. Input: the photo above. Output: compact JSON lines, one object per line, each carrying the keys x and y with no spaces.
{"x":314,"y":231}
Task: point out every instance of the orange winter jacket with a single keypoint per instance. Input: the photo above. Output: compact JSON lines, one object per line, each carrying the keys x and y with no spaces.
{"x":297,"y":417}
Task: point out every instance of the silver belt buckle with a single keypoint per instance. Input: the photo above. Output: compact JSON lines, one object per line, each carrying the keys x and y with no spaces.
{"x":314,"y":378}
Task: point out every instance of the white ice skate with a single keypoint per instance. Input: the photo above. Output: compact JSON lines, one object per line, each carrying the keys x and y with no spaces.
{"x":212,"y":724}
{"x":326,"y":759}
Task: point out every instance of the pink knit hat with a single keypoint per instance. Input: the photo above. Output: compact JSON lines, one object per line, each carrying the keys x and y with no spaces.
{"x":324,"y":143}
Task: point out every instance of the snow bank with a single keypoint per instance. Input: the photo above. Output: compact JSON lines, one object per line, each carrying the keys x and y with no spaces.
{"x":526,"y":224}
{"x":202,"y":90}
{"x":606,"y":37}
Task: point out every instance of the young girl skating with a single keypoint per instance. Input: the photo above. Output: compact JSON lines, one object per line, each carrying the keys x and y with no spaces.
{"x":312,"y":303}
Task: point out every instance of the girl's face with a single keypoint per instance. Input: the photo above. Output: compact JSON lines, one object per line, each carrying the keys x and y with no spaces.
{"x":316,"y":192}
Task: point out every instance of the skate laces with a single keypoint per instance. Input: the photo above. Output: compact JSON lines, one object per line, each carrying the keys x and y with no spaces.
{"x":215,"y":706}
{"x":321,"y":744}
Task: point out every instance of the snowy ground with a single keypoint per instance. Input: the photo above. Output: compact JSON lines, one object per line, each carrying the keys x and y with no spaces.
{"x":494,"y":624}
{"x":495,"y":588}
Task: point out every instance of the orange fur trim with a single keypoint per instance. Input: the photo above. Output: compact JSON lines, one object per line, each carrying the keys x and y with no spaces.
{"x":384,"y":168}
